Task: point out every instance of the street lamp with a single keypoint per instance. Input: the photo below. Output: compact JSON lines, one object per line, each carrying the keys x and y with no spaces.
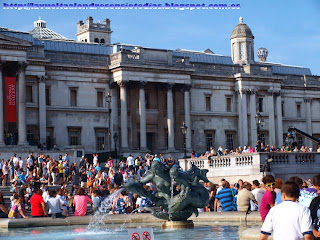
{"x":115,"y":139}
{"x":184,"y":132}
{"x":108,"y":101}
{"x":258,"y":121}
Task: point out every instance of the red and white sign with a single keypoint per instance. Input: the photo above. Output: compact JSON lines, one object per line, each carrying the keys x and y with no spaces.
{"x":11,"y":103}
{"x":146,"y":235}
{"x":135,"y":236}
{"x":140,"y":234}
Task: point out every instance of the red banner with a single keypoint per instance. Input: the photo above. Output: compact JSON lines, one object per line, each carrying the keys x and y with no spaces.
{"x":11,"y":102}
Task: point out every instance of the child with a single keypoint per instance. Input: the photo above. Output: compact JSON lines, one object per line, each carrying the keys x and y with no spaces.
{"x":96,"y":200}
{"x":288,"y":220}
{"x":16,"y":207}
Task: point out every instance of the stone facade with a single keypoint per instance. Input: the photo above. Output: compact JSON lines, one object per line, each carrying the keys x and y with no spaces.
{"x":62,"y":85}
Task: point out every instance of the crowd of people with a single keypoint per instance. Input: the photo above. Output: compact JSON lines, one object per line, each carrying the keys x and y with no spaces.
{"x":260,"y":147}
{"x":39,"y":186}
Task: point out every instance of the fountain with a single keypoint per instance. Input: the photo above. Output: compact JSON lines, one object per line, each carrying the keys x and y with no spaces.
{"x":175,"y":205}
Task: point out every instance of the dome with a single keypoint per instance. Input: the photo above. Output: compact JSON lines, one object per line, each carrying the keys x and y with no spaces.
{"x":41,"y":31}
{"x":241,"y":30}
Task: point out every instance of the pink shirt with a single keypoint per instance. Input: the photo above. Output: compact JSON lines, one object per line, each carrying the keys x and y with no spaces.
{"x":267,"y":200}
{"x":80,"y":203}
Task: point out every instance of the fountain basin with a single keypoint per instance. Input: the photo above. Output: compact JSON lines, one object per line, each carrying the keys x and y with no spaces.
{"x":177,"y":225}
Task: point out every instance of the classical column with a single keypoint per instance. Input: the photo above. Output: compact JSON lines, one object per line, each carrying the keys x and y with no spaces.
{"x":279,"y":120}
{"x":272,"y":135}
{"x":244,"y":117}
{"x":308,"y":119}
{"x":142,"y":113}
{"x":42,"y":109}
{"x":187,"y":118}
{"x":114,"y":112}
{"x":124,"y":114}
{"x":1,"y":106}
{"x":22,"y":124}
{"x":253,"y":123}
{"x":240,"y":119}
{"x":170,"y":117}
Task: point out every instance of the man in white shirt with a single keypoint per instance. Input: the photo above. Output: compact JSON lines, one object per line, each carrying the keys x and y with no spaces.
{"x":130,"y":162}
{"x":15,"y":160}
{"x":257,"y":193}
{"x":95,"y":160}
{"x":288,"y":220}
{"x":20,"y":163}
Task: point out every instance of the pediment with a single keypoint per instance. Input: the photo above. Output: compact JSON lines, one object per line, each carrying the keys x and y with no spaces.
{"x":12,"y":41}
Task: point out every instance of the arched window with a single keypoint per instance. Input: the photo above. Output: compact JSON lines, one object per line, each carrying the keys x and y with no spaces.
{"x":102,"y":41}
{"x":96,"y":40}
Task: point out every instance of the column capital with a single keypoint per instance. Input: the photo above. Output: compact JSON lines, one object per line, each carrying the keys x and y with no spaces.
{"x":252,"y":91}
{"x":270,"y":92}
{"x":113,"y":85}
{"x":186,"y":88}
{"x":123,"y":83}
{"x":242,"y":91}
{"x":142,"y":84}
{"x":170,"y":86}
{"x":42,"y":78}
{"x":307,"y":99}
{"x":22,"y":67}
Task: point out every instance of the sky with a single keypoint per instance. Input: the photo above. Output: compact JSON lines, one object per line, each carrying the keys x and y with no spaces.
{"x":290,"y":30}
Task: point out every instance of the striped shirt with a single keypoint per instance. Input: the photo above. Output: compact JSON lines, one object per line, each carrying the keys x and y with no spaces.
{"x":226,"y":199}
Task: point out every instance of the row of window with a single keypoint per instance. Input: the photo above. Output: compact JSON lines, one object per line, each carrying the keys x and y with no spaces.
{"x":74,"y":136}
{"x":100,"y":100}
{"x":96,"y":40}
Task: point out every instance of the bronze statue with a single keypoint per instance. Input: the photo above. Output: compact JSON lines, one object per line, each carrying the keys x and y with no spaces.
{"x":179,"y":203}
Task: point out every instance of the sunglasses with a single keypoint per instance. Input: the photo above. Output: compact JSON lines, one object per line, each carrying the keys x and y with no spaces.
{"x":270,"y":184}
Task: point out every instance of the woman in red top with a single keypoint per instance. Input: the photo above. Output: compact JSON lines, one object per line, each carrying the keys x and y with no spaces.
{"x":38,"y":206}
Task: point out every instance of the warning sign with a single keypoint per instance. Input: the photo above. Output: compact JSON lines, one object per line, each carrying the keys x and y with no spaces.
{"x":140,"y":234}
{"x":146,"y":235}
{"x":135,"y":236}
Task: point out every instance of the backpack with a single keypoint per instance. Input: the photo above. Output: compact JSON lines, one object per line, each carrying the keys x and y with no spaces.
{"x":120,"y":207}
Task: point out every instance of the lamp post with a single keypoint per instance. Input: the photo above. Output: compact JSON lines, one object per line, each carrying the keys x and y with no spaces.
{"x":115,"y":139}
{"x":184,"y":132}
{"x":108,"y":101}
{"x":258,"y":121}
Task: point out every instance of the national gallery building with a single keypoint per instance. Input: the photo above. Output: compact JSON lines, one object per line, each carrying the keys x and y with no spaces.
{"x":95,"y":95}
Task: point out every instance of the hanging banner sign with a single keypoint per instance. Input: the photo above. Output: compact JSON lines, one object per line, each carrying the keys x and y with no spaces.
{"x":11,"y":103}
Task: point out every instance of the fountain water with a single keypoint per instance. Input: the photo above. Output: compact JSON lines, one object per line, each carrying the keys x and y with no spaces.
{"x":97,"y":222}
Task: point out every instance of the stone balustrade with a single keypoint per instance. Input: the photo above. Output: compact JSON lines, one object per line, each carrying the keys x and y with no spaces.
{"x":248,"y":166}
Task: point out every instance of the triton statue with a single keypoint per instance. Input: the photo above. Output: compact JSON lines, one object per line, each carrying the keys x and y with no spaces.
{"x":175,"y":204}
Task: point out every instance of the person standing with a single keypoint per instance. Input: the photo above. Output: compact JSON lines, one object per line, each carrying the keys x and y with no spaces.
{"x":288,"y":220}
{"x":130,"y":162}
{"x":95,"y":160}
{"x":269,"y":197}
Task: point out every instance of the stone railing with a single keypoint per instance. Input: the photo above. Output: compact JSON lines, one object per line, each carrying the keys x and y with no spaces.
{"x":248,"y":166}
